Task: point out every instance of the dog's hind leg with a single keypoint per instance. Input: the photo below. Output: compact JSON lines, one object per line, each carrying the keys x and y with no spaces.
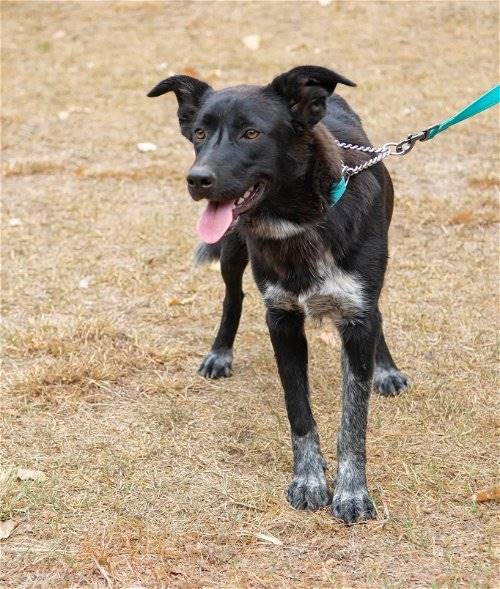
{"x":233,"y":261}
{"x":387,"y":379}
{"x":308,"y":489}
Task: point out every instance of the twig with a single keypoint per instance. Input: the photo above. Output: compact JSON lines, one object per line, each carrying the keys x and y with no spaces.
{"x":103,"y":572}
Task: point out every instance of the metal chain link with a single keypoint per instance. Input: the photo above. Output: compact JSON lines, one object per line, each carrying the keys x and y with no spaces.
{"x":365,"y":148}
{"x":401,"y":148}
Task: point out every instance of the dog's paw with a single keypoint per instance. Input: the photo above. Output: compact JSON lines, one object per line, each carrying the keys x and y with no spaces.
{"x":389,"y":382}
{"x":309,"y":492}
{"x":217,"y":364}
{"x":352,"y":507}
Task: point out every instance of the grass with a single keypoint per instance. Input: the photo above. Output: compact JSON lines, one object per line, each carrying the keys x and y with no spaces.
{"x":156,"y":477}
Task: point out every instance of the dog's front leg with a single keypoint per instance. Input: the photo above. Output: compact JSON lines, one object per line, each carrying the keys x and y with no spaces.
{"x":308,"y":489}
{"x":351,"y":500}
{"x":233,"y":261}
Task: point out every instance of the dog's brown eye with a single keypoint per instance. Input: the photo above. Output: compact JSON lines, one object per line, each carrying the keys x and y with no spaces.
{"x":200,"y":134}
{"x":251,"y":134}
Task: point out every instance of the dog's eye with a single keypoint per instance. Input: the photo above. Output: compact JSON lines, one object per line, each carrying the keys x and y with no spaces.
{"x":200,"y":134}
{"x":251,"y":134}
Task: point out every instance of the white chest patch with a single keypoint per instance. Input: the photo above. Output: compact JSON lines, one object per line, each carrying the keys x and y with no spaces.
{"x":335,"y":293}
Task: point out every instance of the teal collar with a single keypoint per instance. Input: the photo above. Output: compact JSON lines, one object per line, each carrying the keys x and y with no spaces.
{"x":337,"y":190}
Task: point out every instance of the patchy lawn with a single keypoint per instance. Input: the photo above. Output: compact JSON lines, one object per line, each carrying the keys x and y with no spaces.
{"x":154,"y":476}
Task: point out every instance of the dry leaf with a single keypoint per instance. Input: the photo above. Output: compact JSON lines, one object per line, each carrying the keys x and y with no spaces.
{"x":145,"y":147}
{"x":297,"y":46}
{"x":6,"y":528}
{"x":491,"y":494}
{"x":191,"y":71}
{"x":269,"y":538}
{"x":462,"y":217}
{"x":252,"y":42}
{"x":214,"y":75}
{"x":174,"y":301}
{"x":30,"y":475}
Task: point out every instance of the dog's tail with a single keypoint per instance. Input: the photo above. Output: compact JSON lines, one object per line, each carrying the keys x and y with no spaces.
{"x":206,"y":253}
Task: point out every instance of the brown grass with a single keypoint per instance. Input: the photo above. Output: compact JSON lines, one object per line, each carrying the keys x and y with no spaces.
{"x":156,"y":477}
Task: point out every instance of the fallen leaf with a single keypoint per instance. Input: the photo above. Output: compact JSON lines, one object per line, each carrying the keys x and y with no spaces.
{"x":6,"y":528}
{"x":252,"y":42}
{"x":15,"y":222}
{"x":191,"y":71}
{"x":173,"y":302}
{"x":30,"y":475}
{"x":408,"y":110}
{"x":297,"y":46}
{"x":269,"y":538}
{"x":491,"y":494}
{"x":462,"y":217}
{"x":144,"y":147}
{"x":485,"y":182}
{"x":214,"y":74}
{"x":84,"y":282}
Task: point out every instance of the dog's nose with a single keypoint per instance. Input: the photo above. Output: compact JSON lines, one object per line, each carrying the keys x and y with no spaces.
{"x":200,"y":181}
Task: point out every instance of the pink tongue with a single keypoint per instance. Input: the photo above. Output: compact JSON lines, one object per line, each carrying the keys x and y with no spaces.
{"x":215,"y":220}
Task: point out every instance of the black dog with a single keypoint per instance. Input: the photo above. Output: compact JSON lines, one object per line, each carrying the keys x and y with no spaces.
{"x":266,"y":164}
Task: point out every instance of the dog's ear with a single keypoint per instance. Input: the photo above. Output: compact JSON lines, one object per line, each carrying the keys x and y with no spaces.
{"x":305,"y":90}
{"x":189,"y":93}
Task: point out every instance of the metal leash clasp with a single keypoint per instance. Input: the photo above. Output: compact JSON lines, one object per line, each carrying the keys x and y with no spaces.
{"x":405,"y":146}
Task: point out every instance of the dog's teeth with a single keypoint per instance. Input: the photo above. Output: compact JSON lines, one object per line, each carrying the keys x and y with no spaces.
{"x":240,"y":200}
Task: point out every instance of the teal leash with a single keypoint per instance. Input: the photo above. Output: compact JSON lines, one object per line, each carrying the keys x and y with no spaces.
{"x":337,"y":190}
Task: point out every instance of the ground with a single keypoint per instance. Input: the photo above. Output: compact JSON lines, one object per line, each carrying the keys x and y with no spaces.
{"x":153,"y":475}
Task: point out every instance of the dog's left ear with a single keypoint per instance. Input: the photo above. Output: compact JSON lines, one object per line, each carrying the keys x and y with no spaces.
{"x":305,"y":90}
{"x":189,"y":92}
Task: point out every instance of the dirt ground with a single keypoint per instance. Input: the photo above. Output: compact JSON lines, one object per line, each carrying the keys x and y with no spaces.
{"x":155,"y":477}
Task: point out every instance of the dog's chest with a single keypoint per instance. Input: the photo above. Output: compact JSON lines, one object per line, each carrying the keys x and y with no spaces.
{"x":332,"y":292}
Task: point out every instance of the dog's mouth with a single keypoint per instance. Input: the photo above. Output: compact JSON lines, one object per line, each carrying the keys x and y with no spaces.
{"x":219,"y":217}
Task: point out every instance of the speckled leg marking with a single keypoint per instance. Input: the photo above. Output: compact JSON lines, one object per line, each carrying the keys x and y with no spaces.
{"x":308,"y":489}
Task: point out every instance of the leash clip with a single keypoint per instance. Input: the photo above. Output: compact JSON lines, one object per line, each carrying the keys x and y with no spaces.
{"x":405,"y":146}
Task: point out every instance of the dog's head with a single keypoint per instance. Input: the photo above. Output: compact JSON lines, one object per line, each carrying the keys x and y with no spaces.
{"x":245,"y":138}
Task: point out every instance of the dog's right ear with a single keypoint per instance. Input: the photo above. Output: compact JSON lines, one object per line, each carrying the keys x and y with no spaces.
{"x":189,"y":93}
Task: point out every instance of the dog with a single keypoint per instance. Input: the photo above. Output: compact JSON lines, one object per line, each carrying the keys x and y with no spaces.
{"x":265,"y":161}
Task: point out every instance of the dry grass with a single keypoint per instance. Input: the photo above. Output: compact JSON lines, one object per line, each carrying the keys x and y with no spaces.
{"x":155,"y":476}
